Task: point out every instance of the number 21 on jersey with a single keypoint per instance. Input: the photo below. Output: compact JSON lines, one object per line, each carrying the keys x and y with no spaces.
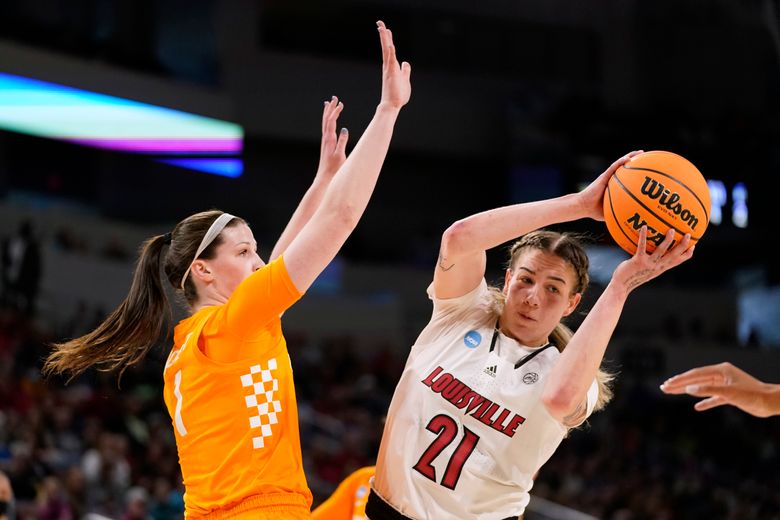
{"x":446,"y":429}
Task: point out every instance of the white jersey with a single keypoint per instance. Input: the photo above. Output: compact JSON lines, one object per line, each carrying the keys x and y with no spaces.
{"x":466,"y":430}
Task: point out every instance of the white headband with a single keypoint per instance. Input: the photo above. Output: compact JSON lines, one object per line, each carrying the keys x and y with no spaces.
{"x":216,"y":228}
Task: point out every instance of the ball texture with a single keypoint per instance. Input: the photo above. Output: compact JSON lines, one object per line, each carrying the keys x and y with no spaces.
{"x":661,"y":190}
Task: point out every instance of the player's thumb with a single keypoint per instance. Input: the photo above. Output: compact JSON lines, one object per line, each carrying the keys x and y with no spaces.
{"x":710,"y":402}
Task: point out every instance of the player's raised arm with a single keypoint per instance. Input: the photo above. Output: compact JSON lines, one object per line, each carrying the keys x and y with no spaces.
{"x":332,"y":155}
{"x":348,"y":193}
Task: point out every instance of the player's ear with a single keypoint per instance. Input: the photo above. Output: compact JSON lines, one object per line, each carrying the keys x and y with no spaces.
{"x":202,"y":271}
{"x":574,"y":301}
{"x":507,"y":278}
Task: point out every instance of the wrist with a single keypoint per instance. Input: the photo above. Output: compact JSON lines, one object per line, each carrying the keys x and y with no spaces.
{"x":618,"y":289}
{"x":385,"y":107}
{"x":576,"y":206}
{"x":772,"y":398}
{"x":323,"y":177}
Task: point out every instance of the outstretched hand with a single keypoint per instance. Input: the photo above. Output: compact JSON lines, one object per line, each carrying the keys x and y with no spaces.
{"x":644,"y":266}
{"x":396,"y":87}
{"x":592,"y":197}
{"x":722,"y":384}
{"x":333,"y":146}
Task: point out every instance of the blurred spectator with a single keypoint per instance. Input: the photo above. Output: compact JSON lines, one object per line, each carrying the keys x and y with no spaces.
{"x":107,"y":472}
{"x":6,"y":498}
{"x":115,"y":250}
{"x":66,"y":240}
{"x":53,"y":503}
{"x":21,"y":269}
{"x":166,"y":503}
{"x":137,"y":501}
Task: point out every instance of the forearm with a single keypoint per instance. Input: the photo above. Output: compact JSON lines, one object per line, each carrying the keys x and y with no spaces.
{"x":306,"y":208}
{"x":347,"y":196}
{"x":578,"y":364}
{"x":494,"y":227}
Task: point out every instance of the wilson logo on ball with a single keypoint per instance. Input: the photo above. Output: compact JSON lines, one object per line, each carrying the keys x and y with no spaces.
{"x":668,"y":199}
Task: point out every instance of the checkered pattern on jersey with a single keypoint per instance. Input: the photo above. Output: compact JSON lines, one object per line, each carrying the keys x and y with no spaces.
{"x":261,"y":401}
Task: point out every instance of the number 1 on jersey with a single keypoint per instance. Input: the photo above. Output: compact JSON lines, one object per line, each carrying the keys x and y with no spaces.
{"x":446,"y":430}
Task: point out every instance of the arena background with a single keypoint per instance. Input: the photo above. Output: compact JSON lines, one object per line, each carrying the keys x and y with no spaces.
{"x":511,"y":102}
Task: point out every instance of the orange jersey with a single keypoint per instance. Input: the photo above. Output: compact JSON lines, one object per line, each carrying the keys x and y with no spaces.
{"x":229,"y":391}
{"x":348,"y":502}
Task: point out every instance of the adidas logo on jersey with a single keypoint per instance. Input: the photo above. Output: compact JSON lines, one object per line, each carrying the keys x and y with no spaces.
{"x":491,"y":371}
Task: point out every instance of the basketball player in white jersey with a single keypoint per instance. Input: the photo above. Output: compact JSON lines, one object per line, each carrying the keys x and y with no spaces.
{"x":494,"y":381}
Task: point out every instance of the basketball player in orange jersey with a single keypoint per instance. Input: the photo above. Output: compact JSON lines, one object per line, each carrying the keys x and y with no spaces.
{"x":726,"y":384}
{"x":348,"y":502}
{"x":494,"y":381}
{"x":228,"y":379}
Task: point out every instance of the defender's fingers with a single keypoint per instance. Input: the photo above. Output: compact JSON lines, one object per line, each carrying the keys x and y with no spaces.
{"x":385,"y":38}
{"x":710,"y":403}
{"x":341,"y":144}
{"x":388,"y":49}
{"x":724,"y":390}
{"x":697,"y":376}
{"x":705,"y":371}
{"x":389,"y":58}
{"x":328,"y":110}
{"x":678,"y":386}
{"x":335,"y":112}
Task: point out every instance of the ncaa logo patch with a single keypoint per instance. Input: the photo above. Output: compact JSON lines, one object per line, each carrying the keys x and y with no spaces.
{"x":530,"y":378}
{"x":361,"y":492}
{"x":472,"y":339}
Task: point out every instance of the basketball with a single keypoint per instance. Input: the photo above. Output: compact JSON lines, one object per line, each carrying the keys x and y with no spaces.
{"x":661,"y":190}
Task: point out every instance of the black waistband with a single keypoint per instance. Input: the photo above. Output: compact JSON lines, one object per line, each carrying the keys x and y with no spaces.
{"x":378,"y":509}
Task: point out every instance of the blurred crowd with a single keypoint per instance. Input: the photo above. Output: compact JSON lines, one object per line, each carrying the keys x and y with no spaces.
{"x":98,"y":448}
{"x":651,"y":456}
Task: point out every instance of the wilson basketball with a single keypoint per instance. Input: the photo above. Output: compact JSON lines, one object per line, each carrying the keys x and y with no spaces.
{"x":661,"y":190}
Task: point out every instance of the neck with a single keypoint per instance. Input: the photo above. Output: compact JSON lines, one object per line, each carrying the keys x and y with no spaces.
{"x":210,"y":298}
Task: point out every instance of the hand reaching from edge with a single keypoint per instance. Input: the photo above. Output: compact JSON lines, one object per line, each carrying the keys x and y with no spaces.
{"x":725,"y":384}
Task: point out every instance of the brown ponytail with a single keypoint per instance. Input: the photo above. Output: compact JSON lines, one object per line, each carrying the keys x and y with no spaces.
{"x":124,"y":338}
{"x":127,"y":334}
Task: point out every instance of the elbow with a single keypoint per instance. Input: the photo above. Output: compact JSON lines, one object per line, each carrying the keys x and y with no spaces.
{"x":559,"y":402}
{"x":455,"y":237}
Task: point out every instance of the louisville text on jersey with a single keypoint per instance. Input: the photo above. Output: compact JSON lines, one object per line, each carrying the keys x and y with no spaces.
{"x":472,"y":403}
